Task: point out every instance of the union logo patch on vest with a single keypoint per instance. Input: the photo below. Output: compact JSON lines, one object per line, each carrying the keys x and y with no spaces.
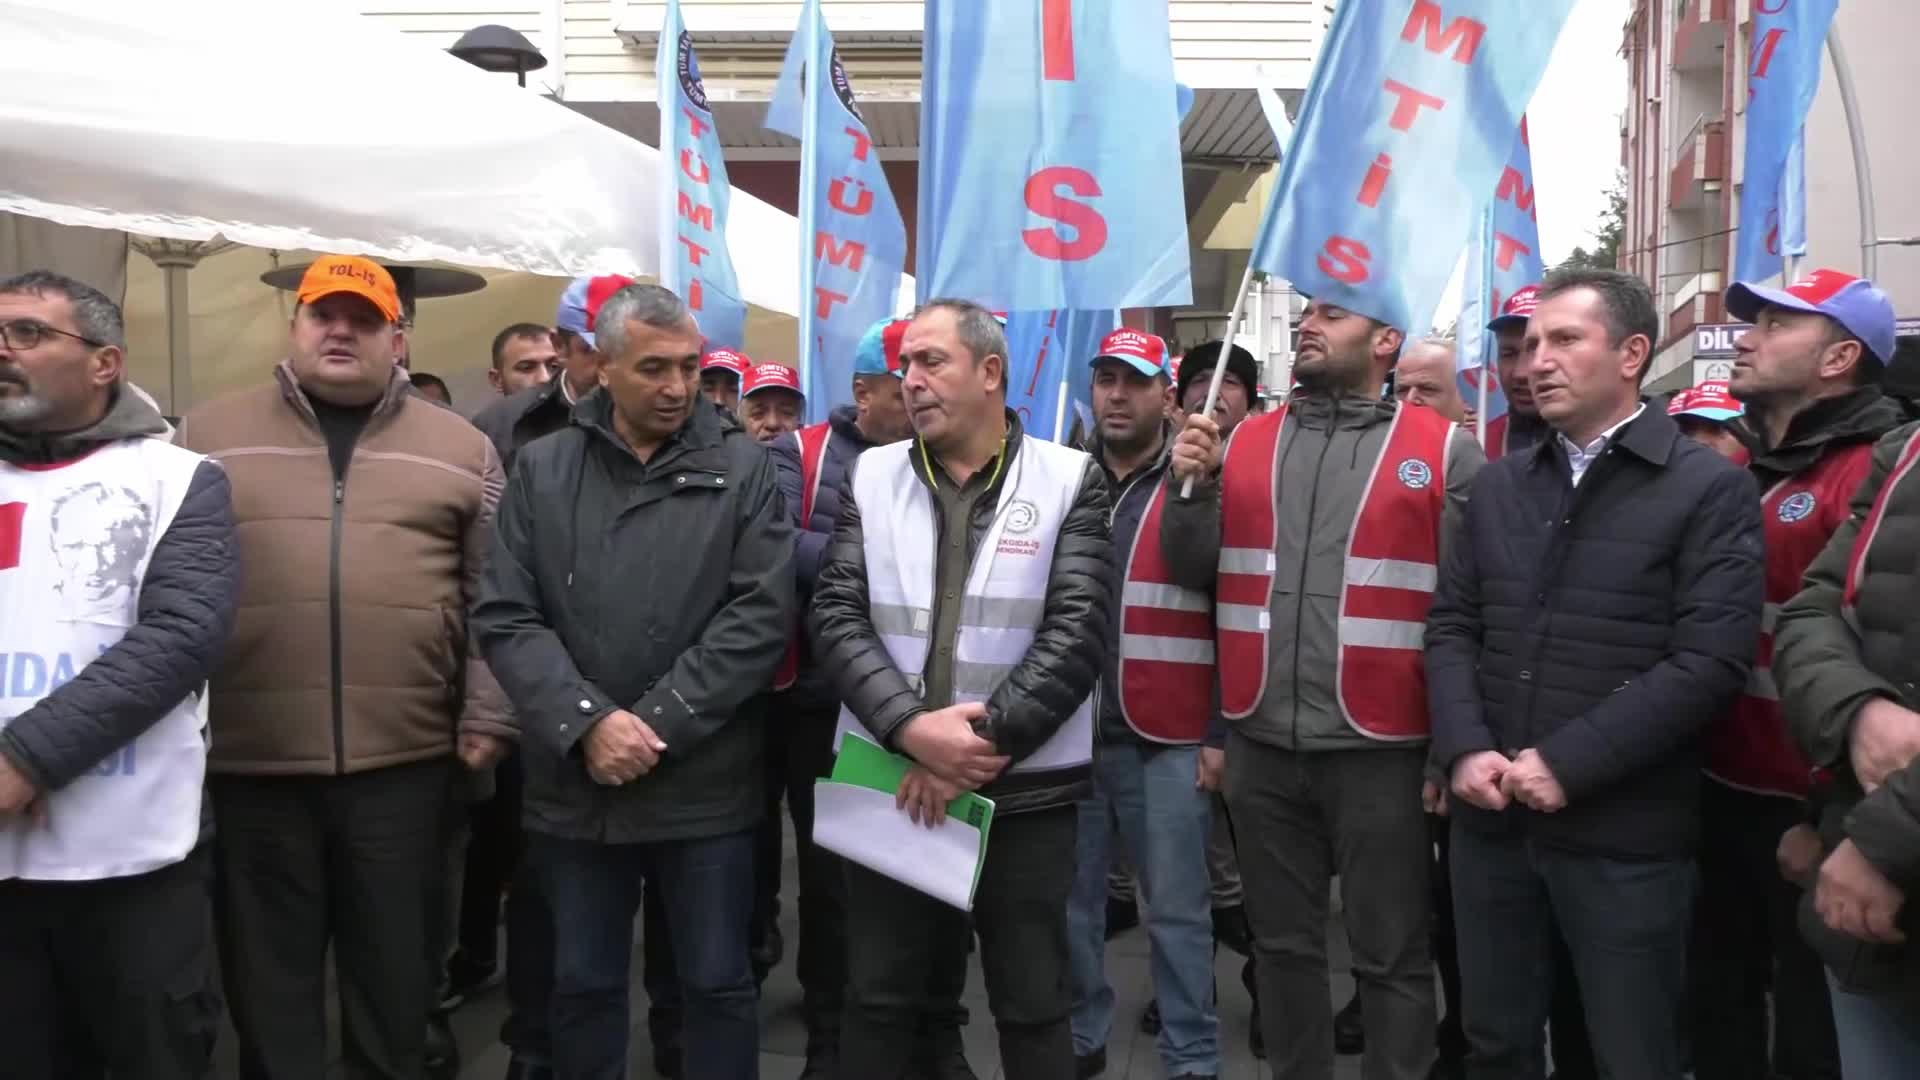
{"x":1415,"y":473}
{"x":1796,"y":507}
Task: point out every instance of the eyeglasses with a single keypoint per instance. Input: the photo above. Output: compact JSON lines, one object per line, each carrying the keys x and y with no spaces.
{"x":25,"y":334}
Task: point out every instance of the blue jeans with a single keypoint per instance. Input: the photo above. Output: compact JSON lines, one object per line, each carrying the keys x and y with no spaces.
{"x":593,"y":891}
{"x":1876,"y":1042}
{"x":1163,"y":822}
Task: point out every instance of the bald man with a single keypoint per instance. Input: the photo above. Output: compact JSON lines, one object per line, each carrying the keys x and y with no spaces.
{"x":1425,"y":376}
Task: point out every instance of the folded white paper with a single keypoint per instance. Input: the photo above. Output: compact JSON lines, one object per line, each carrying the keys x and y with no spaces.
{"x":863,"y":824}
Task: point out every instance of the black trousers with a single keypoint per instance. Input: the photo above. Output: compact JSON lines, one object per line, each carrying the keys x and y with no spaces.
{"x":906,"y":948}
{"x":302,"y":863}
{"x":800,"y":751}
{"x":1625,"y":923}
{"x":1746,"y":944}
{"x":494,"y":844}
{"x":109,"y":978}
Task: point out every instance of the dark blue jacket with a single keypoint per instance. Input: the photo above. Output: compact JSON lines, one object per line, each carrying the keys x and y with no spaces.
{"x":848,"y":442}
{"x":1604,"y":626}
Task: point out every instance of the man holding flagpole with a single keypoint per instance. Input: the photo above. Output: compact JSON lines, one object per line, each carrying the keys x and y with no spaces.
{"x":1319,"y":536}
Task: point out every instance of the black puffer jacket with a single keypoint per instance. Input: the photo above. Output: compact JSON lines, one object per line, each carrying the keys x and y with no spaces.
{"x":1059,"y":671}
{"x":1603,"y":626}
{"x":663,"y":588}
{"x":848,"y":442}
{"x":513,"y":422}
{"x":185,"y":614}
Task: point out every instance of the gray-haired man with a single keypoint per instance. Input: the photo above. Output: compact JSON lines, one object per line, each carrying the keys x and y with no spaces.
{"x":641,"y":589}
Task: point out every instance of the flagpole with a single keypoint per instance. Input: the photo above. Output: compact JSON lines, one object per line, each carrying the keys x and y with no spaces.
{"x":1483,"y":336}
{"x":1060,"y":409}
{"x":1226,"y":352}
{"x":1857,"y":134}
{"x":812,"y":82}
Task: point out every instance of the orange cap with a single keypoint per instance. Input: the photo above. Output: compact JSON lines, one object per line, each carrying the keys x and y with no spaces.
{"x":332,"y":274}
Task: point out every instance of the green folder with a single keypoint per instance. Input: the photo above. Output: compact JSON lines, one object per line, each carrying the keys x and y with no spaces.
{"x":864,"y":763}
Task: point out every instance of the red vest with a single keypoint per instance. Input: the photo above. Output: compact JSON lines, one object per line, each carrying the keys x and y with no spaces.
{"x":1166,"y":642}
{"x":813,"y":450}
{"x":1857,"y":565}
{"x":1497,"y":438}
{"x":1392,"y":566}
{"x":1750,"y":747}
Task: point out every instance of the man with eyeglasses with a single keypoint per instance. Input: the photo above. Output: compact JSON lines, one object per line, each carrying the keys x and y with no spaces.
{"x":118,"y":579}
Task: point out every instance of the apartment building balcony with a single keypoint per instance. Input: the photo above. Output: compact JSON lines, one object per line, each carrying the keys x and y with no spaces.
{"x":1700,"y":164}
{"x":1695,"y":303}
{"x":1700,"y":30}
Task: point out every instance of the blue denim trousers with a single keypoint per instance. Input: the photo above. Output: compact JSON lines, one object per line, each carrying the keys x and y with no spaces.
{"x":1876,"y":1041}
{"x":1163,"y":824}
{"x":593,"y":892}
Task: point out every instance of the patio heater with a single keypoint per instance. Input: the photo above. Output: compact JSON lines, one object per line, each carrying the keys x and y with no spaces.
{"x":499,"y":48}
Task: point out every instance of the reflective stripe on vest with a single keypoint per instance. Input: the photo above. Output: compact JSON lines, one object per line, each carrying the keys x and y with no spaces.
{"x":1750,"y":747}
{"x":1005,"y":597}
{"x":1166,"y":642}
{"x":1392,"y":567}
{"x":813,"y":442}
{"x":1857,"y":565}
{"x":75,"y":544}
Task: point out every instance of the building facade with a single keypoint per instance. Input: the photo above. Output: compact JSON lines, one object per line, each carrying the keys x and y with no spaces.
{"x":600,"y":62}
{"x":1683,"y":139}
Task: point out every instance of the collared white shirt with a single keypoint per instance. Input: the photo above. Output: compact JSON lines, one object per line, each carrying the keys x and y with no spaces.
{"x":1579,"y":457}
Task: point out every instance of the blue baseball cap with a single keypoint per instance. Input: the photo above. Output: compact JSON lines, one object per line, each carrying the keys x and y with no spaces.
{"x":879,"y":350}
{"x":1854,"y":303}
{"x":580,"y":303}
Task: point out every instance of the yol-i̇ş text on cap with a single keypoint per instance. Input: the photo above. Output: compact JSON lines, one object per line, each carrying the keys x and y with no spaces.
{"x":1518,"y":308}
{"x":771,"y":377}
{"x":1143,"y":352}
{"x":1711,"y":400}
{"x":333,"y":274}
{"x":580,"y":304}
{"x":879,"y":350}
{"x":1853,"y":302}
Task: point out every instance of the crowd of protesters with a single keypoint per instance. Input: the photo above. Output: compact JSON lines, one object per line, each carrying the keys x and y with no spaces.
{"x":1602,"y":716}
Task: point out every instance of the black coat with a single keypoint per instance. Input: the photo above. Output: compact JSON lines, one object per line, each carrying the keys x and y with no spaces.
{"x":1602,"y":625}
{"x":513,"y":422}
{"x":848,"y":443}
{"x":663,"y":588}
{"x":1059,"y":671}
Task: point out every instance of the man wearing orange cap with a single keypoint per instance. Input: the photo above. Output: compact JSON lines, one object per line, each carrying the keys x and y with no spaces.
{"x":348,"y":688}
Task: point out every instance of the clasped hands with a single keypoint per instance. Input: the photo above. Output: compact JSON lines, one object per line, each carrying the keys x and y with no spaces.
{"x":1491,"y":781}
{"x":949,"y":758}
{"x":621,"y":748}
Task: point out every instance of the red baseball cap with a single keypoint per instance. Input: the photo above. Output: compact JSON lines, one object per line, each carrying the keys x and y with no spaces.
{"x":1711,"y":400}
{"x":1143,"y":352}
{"x":725,"y":360}
{"x":1518,"y":308}
{"x":771,"y":377}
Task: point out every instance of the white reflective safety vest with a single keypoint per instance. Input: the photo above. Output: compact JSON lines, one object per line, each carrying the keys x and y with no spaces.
{"x":1006,"y":593}
{"x":75,"y":541}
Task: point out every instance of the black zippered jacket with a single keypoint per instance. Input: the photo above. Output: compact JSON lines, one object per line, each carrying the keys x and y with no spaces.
{"x":664,"y":588}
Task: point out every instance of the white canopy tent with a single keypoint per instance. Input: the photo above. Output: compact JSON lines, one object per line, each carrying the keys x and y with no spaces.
{"x":289,"y":126}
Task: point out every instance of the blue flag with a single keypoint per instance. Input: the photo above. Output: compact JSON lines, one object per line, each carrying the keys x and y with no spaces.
{"x":1050,"y":155}
{"x":1049,"y":351}
{"x":1407,"y":124}
{"x":694,"y":260}
{"x":854,"y":245}
{"x":1783,"y":72}
{"x":1503,"y":258}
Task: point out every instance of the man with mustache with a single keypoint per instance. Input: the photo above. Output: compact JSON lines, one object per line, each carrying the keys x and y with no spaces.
{"x":349,"y":694}
{"x":639,"y":593}
{"x":962,"y":615}
{"x":1154,"y":709}
{"x":1600,"y":607}
{"x":1319,"y":535}
{"x":118,"y":583}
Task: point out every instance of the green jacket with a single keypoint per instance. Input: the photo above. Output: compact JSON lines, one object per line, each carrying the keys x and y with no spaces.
{"x":1828,"y":663}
